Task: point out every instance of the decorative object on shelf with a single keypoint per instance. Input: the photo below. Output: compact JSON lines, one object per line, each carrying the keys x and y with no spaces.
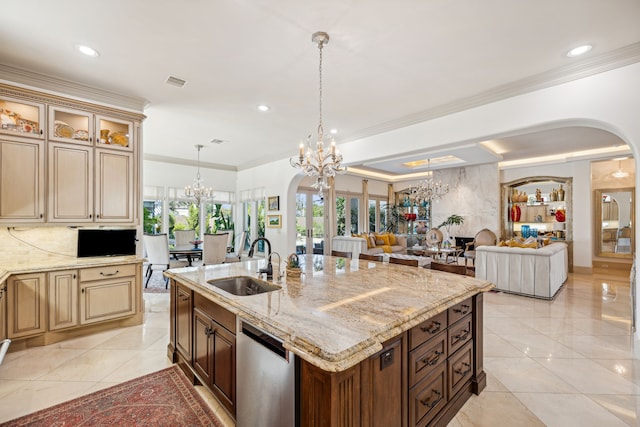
{"x":560,"y":215}
{"x":198,"y":191}
{"x":104,"y":136}
{"x":538,"y":195}
{"x":561,"y":194}
{"x":429,"y":189}
{"x":120,"y":138}
{"x":62,"y":129}
{"x":293,"y":266}
{"x":318,"y":163}
{"x":525,"y":231}
{"x":273,"y":203}
{"x":516,"y":212}
{"x":553,"y":196}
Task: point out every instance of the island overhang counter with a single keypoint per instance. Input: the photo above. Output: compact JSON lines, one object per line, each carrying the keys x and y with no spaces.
{"x":362,"y":331}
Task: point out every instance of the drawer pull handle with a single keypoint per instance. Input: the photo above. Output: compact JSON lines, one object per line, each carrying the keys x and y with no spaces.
{"x":462,"y":373}
{"x":109,"y":274}
{"x":433,"y":360}
{"x":433,"y":328}
{"x":464,"y":309}
{"x":460,"y":337}
{"x":209,"y":331}
{"x":430,"y":405}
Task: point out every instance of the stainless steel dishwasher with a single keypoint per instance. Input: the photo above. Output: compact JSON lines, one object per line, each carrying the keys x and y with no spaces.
{"x":265,"y":379}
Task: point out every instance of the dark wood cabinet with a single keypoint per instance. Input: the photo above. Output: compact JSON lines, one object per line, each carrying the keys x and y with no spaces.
{"x":183,"y":328}
{"x":203,"y":342}
{"x":420,"y":378}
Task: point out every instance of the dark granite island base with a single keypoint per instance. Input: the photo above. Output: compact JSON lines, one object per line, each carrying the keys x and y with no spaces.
{"x":376,"y":344}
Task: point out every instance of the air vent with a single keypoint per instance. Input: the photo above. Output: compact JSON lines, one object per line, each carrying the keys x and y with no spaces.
{"x":216,"y":141}
{"x":175,"y":81}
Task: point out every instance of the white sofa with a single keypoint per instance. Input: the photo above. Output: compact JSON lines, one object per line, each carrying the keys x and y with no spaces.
{"x":358,"y":245}
{"x":533,"y":272}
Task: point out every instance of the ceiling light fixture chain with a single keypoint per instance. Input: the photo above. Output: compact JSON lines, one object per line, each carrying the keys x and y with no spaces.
{"x":198,"y":191}
{"x":316,"y":162}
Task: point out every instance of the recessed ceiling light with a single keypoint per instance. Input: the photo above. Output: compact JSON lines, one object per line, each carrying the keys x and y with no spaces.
{"x":577,"y":51}
{"x":89,"y":51}
{"x":333,"y":131}
{"x":263,"y":108}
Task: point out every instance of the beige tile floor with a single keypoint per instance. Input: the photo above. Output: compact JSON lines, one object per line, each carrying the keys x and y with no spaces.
{"x":568,"y":362}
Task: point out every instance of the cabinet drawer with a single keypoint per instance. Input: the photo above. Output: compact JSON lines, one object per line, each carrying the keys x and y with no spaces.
{"x":459,"y":334}
{"x":427,"y":398}
{"x":459,"y":368}
{"x":426,"y":358}
{"x":107,"y":272}
{"x":223,"y":316}
{"x":428,"y":329}
{"x":459,"y":310}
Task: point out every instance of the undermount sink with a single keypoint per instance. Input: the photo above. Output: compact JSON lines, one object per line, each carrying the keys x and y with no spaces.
{"x":243,"y":286}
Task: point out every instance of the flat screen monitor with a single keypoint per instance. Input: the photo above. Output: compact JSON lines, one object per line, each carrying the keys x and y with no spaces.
{"x":93,"y":243}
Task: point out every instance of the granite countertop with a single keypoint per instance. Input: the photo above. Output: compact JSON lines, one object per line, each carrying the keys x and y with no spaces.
{"x":21,"y":252}
{"x":340,"y":311}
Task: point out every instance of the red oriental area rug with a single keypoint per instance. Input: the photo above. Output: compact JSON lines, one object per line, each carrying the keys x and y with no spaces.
{"x":164,"y":398}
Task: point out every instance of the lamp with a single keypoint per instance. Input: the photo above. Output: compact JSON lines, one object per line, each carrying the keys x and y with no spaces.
{"x":316,"y":162}
{"x":620,"y":173}
{"x":198,"y":191}
{"x":428,"y":189}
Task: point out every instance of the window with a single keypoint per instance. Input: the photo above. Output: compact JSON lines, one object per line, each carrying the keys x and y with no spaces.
{"x":152,"y":221}
{"x":354,"y":203}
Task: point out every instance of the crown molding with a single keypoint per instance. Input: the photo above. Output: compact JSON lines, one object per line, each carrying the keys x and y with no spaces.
{"x":56,"y":86}
{"x":576,"y":70}
{"x":187,"y":162}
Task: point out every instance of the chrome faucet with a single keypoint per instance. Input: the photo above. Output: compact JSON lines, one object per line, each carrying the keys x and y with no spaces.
{"x":269,"y":268}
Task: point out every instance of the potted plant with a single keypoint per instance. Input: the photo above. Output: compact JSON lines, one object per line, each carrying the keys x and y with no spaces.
{"x":449,"y":222}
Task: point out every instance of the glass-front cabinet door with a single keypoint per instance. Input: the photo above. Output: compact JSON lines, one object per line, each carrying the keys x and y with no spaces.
{"x":66,"y":125}
{"x":114,"y":133}
{"x":21,"y":118}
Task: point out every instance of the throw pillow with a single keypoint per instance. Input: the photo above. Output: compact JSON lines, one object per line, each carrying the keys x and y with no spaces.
{"x":384,"y":238}
{"x":379,"y":242}
{"x":371,"y":242}
{"x":392,"y":239}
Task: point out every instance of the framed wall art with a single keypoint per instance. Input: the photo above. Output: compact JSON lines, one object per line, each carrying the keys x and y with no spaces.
{"x":274,"y":221}
{"x":273,"y":203}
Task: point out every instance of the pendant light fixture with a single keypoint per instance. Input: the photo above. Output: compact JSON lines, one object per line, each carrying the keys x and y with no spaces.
{"x":317,"y":162}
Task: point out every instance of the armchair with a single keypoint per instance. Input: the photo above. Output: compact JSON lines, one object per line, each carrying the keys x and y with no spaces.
{"x":484,"y":237}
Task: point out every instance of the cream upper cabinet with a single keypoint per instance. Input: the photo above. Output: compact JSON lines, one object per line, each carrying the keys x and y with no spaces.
{"x":21,"y":118}
{"x":67,"y":161}
{"x":114,"y":133}
{"x":21,"y":180}
{"x":70,"y":183}
{"x":114,"y":186}
{"x":73,"y":126}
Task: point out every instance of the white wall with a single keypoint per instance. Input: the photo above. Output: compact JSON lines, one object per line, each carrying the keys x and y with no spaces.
{"x":161,"y":174}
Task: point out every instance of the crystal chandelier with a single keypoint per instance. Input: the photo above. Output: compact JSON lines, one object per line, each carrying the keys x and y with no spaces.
{"x":428,"y":189}
{"x":198,"y":191}
{"x":317,"y":162}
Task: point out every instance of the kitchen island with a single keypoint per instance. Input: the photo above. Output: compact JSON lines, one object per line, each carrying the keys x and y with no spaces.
{"x":375,"y":343}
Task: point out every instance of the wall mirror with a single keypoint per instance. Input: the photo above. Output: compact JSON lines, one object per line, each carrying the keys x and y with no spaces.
{"x":615,"y":230}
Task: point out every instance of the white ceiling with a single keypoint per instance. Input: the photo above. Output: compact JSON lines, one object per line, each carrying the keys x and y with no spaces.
{"x":388,"y":64}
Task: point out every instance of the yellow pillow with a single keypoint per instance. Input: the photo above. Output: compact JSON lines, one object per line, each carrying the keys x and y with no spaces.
{"x":371,"y":242}
{"x":384,"y":238}
{"x":392,"y":239}
{"x":386,"y":249}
